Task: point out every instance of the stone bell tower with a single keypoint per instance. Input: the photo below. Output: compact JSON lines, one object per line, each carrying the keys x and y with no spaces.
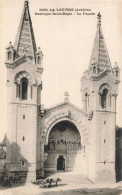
{"x":99,"y":88}
{"x":24,"y":84}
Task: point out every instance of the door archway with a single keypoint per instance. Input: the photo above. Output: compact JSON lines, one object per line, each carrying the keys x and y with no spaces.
{"x":64,"y":147}
{"x":60,"y":163}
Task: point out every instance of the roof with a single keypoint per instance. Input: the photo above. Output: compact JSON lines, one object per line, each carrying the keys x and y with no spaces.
{"x":4,"y":142}
{"x":25,"y":41}
{"x":100,"y":56}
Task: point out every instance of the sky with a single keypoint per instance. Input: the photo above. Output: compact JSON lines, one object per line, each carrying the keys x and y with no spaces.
{"x":66,"y":42}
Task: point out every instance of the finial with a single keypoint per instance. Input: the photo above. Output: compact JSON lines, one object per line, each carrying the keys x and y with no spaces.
{"x":38,"y":50}
{"x":99,"y":19}
{"x":10,"y":45}
{"x":66,"y":96}
{"x":115,"y":65}
{"x":26,"y":3}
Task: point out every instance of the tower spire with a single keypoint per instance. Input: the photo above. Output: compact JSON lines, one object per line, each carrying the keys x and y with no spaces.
{"x":25,"y":39}
{"x":100,"y":57}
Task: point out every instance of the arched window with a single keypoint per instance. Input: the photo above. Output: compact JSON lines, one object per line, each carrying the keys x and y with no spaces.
{"x":94,"y":70}
{"x":38,"y":60}
{"x":117,"y":73}
{"x":23,"y":163}
{"x":9,"y":55}
{"x":24,"y":88}
{"x":104,"y":98}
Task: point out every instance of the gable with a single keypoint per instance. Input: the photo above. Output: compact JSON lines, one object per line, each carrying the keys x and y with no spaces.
{"x":66,"y":106}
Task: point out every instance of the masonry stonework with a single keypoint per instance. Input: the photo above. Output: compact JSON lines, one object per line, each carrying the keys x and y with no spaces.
{"x":63,"y":137}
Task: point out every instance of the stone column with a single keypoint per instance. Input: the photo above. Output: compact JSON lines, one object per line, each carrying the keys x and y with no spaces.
{"x":29,"y":92}
{"x":42,"y":158}
{"x":55,"y":145}
{"x":67,"y":146}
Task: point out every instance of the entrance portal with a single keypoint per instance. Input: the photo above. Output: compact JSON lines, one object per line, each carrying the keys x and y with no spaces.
{"x":64,"y":148}
{"x":60,"y":163}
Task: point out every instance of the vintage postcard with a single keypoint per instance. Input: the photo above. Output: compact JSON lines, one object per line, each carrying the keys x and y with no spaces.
{"x":60,"y":97}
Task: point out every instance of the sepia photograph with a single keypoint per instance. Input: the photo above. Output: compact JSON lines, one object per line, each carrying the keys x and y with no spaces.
{"x":60,"y":97}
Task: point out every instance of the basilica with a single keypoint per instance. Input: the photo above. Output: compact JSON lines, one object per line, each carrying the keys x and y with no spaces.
{"x":63,"y":137}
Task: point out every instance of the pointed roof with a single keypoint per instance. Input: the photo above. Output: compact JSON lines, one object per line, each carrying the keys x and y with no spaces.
{"x":25,"y":41}
{"x":100,"y":56}
{"x":4,"y":142}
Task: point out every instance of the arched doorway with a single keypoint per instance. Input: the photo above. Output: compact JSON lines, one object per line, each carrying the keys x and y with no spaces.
{"x":64,"y":145}
{"x":60,"y":163}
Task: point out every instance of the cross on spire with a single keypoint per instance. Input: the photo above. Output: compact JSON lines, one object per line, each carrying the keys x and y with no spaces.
{"x":99,"y":19}
{"x":66,"y":96}
{"x":26,"y":3}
